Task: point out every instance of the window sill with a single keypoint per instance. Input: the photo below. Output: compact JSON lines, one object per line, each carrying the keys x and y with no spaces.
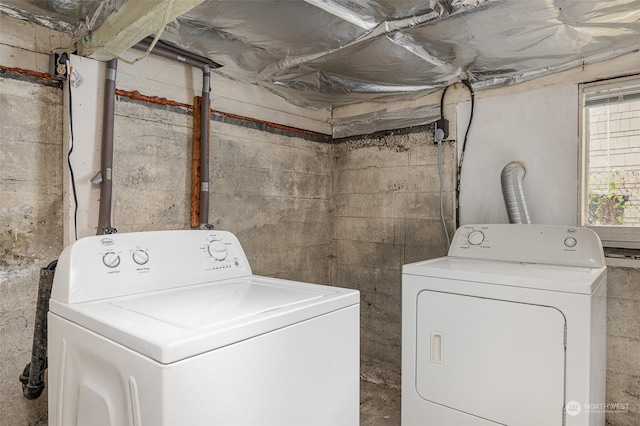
{"x":625,"y":258}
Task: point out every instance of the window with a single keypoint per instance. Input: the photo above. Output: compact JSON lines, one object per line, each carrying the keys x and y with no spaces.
{"x":610,"y":133}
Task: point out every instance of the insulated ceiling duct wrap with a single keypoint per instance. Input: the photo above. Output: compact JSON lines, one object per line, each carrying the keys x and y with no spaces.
{"x":328,"y":53}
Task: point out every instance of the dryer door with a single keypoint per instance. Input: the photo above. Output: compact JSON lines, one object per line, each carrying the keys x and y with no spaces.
{"x":498,"y":360}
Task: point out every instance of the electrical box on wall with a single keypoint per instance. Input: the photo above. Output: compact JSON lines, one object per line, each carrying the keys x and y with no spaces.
{"x":59,"y":65}
{"x":442,"y":130}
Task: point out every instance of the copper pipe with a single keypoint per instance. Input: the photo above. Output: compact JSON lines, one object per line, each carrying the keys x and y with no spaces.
{"x":195,"y":163}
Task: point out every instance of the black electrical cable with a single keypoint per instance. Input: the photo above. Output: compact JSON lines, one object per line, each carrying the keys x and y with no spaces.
{"x":73,"y":179}
{"x":440,"y":174}
{"x":442,"y":100}
{"x":464,"y":147}
{"x":464,"y":143}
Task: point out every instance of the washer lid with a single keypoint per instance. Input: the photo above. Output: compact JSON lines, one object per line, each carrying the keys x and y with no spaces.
{"x":568,"y":279}
{"x":175,"y":324}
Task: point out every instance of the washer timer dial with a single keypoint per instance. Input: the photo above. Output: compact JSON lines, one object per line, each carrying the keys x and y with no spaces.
{"x":217,"y":250}
{"x":475,"y":238}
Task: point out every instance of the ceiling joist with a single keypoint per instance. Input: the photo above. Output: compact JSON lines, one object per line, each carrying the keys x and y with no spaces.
{"x":129,"y":24}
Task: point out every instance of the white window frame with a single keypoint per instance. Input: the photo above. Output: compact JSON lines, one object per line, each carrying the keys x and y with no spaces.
{"x":611,"y":236}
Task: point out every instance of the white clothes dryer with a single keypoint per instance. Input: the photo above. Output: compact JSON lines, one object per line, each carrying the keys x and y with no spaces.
{"x":508,"y":329}
{"x":171,"y":328}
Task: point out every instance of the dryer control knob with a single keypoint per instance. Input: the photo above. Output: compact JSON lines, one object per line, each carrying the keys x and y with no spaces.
{"x":217,"y":250}
{"x":111,"y":259}
{"x":475,"y":238}
{"x":140,"y":257}
{"x":570,"y":242}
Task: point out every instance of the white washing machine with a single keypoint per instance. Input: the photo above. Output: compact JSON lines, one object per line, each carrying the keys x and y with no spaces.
{"x":508,"y":329}
{"x":171,"y":328}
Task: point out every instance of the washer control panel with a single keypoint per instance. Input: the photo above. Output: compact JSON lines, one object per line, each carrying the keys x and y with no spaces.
{"x":129,"y":263}
{"x":548,"y":244}
{"x":112,"y":259}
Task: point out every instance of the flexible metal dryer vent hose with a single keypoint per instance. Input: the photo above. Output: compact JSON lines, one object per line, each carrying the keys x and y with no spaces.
{"x":511,"y":178}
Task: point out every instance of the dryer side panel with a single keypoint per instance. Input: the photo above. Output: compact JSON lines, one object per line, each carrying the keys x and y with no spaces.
{"x":498,"y":360}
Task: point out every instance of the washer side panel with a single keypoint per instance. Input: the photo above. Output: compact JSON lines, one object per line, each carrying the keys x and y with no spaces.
{"x":306,"y":373}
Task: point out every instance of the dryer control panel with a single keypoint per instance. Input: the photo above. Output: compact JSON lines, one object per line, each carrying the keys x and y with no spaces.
{"x":115,"y":265}
{"x":545,"y":244}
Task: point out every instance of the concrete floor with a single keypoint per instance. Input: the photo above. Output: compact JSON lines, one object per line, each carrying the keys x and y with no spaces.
{"x":379,"y":405}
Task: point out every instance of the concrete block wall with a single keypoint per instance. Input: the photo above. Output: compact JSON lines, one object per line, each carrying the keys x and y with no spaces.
{"x":271,"y":189}
{"x":623,"y":346}
{"x":386,"y":213}
{"x":30,"y":225}
{"x":151,"y":166}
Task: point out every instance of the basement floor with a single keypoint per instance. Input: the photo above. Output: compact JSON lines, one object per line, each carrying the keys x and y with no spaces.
{"x":379,"y":405}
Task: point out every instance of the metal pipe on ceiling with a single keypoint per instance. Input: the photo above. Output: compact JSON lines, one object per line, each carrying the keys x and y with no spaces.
{"x":170,"y":52}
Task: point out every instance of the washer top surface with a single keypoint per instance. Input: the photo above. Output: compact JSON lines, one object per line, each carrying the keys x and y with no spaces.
{"x":216,"y":305}
{"x":175,"y":324}
{"x":190,"y":292}
{"x":546,"y":257}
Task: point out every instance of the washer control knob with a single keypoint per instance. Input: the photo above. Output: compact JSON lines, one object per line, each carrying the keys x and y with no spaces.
{"x":570,"y":242}
{"x":475,"y":238}
{"x":217,"y":250}
{"x":111,"y":259}
{"x":140,"y":256}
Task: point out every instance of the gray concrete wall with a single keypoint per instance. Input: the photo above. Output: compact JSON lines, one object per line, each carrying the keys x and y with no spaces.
{"x":271,"y":189}
{"x":274,"y":191}
{"x":30,"y":225}
{"x":386,"y":213}
{"x":151,"y":167}
{"x":623,"y":345}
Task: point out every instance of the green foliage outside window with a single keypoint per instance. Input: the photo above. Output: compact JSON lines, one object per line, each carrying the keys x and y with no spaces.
{"x":607,"y":208}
